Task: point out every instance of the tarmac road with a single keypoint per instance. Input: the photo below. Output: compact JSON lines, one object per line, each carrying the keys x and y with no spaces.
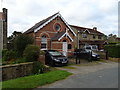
{"x":104,"y":75}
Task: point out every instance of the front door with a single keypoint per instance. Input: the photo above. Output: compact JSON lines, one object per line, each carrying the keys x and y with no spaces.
{"x":65,"y":48}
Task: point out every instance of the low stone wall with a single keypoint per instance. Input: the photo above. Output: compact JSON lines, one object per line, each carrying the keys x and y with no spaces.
{"x":16,"y":70}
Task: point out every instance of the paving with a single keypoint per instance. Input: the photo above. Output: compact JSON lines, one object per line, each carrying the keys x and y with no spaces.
{"x":90,"y":75}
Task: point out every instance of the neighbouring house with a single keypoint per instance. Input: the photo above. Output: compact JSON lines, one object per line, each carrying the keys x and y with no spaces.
{"x":53,"y":33}
{"x":88,"y":36}
{"x":113,"y":39}
{"x":3,"y":29}
{"x":118,"y":39}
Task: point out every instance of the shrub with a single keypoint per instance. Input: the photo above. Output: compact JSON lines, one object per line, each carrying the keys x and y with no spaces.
{"x":9,"y":55}
{"x":38,"y":67}
{"x":31,"y":53}
{"x":4,"y":51}
{"x":42,"y":52}
{"x":113,"y":50}
{"x":21,"y":42}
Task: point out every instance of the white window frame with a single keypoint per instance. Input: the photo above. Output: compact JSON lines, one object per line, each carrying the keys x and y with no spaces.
{"x":44,"y":41}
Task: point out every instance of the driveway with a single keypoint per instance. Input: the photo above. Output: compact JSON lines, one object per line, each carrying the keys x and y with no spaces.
{"x":100,"y":75}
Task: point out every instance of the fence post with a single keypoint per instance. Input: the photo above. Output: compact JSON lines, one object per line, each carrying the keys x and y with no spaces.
{"x":90,"y":56}
{"x":106,"y":55}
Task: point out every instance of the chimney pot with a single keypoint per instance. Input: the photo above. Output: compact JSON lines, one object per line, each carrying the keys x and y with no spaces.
{"x":95,"y":28}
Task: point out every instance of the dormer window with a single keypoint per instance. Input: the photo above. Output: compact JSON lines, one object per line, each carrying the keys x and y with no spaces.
{"x":84,"y":35}
{"x":57,"y":27}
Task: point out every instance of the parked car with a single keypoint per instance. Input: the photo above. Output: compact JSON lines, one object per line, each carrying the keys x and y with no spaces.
{"x":86,"y":54}
{"x":55,"y":58}
{"x":91,"y":47}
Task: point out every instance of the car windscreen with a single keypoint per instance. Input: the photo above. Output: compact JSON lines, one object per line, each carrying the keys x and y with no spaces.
{"x":55,"y":53}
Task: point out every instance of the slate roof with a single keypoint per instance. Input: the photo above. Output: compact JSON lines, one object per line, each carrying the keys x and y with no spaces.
{"x":57,"y":36}
{"x":39,"y":24}
{"x":82,"y":29}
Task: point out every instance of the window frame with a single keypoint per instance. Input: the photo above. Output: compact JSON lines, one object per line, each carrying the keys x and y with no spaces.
{"x":84,"y":35}
{"x":44,"y":42}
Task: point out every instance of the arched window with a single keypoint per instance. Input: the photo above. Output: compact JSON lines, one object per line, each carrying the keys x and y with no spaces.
{"x":43,"y":42}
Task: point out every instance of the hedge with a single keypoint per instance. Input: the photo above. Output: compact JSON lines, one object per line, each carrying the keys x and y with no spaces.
{"x":113,"y":50}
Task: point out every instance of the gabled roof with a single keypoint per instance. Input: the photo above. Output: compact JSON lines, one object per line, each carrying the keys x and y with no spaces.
{"x":44,"y":22}
{"x":83,"y":29}
{"x":39,"y":24}
{"x":60,"y":35}
{"x":57,"y":36}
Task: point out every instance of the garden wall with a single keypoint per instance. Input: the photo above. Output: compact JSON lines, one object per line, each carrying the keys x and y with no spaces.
{"x":16,"y":70}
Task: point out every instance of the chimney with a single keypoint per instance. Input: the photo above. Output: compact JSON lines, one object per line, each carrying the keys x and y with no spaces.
{"x":5,"y":14}
{"x":95,"y":28}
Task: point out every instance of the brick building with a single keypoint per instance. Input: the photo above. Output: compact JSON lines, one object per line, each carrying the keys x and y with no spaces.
{"x":3,"y":29}
{"x":53,"y":33}
{"x":88,"y":36}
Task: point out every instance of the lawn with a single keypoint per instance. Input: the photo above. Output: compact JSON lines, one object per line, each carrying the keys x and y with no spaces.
{"x":36,"y":80}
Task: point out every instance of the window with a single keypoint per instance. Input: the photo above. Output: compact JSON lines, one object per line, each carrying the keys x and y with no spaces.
{"x":84,"y":35}
{"x":57,"y":27}
{"x":94,"y":36}
{"x":69,"y":46}
{"x":44,"y":42}
{"x":99,"y":37}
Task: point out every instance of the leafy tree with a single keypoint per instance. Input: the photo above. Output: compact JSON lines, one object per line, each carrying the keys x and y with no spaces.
{"x":11,"y":39}
{"x":21,"y":42}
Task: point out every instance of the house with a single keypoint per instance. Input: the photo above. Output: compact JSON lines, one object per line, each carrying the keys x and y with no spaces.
{"x":3,"y":29}
{"x":88,"y":36}
{"x":113,"y":39}
{"x":53,"y":33}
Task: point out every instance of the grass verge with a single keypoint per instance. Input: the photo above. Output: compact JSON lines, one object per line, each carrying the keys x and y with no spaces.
{"x":36,"y":80}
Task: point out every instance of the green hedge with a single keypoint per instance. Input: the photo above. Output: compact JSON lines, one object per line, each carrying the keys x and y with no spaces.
{"x":113,"y":50}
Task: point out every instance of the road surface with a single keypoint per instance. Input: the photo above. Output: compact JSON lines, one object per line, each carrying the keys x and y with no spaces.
{"x":102,"y":75}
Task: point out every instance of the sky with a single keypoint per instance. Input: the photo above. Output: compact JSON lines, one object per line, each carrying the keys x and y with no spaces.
{"x":23,"y":14}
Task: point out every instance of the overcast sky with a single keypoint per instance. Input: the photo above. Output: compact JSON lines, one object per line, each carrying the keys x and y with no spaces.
{"x":23,"y":14}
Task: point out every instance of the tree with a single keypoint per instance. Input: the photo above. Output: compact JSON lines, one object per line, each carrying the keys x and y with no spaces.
{"x":21,"y":42}
{"x":11,"y":39}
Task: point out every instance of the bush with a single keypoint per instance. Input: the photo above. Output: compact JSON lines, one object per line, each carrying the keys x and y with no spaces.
{"x":31,"y":53}
{"x":4,"y":51}
{"x":113,"y":50}
{"x":42,"y":52}
{"x":21,"y":42}
{"x":38,"y":67}
{"x":9,"y":55}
